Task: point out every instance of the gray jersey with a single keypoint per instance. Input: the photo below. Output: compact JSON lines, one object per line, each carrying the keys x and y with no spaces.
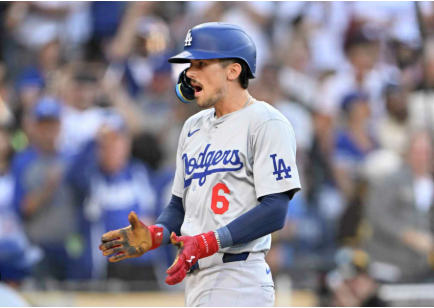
{"x":225,"y":165}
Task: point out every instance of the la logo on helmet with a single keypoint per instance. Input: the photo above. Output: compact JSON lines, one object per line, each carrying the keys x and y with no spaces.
{"x":188,"y":39}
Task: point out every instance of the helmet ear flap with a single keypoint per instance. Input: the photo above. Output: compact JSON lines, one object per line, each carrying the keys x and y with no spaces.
{"x":184,"y":90}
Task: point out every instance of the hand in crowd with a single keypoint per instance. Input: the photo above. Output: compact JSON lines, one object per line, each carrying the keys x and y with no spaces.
{"x":41,"y":197}
{"x":419,"y":241}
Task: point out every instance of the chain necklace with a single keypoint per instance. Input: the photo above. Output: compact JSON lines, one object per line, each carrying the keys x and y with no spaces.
{"x":248,"y":101}
{"x":245,"y":105}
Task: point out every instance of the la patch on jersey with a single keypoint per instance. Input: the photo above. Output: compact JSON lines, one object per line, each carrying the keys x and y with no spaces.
{"x":225,"y":165}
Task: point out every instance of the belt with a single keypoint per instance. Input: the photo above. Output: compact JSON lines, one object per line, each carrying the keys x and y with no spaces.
{"x":227,"y":257}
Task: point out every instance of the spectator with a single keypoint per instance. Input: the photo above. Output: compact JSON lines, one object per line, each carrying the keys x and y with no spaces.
{"x":421,"y":106}
{"x":86,"y":93}
{"x":106,"y":17}
{"x":363,"y":72}
{"x":393,"y":130}
{"x":158,"y":101}
{"x":42,"y":196}
{"x":340,"y":200}
{"x":110,"y":185}
{"x":350,"y":285}
{"x":398,"y":213}
{"x":142,"y":39}
{"x":17,"y":255}
{"x":352,"y":142}
{"x":33,"y":25}
{"x":81,"y":117}
{"x":29,"y":88}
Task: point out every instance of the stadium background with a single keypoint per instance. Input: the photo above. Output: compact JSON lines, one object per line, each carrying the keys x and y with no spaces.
{"x":89,"y":124}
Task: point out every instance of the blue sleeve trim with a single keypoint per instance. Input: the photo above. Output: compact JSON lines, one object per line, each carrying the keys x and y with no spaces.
{"x":225,"y":237}
{"x":171,"y":218}
{"x":267,"y":217}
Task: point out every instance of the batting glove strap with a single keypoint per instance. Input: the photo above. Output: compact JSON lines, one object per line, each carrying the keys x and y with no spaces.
{"x":157,"y":236}
{"x":208,"y":244}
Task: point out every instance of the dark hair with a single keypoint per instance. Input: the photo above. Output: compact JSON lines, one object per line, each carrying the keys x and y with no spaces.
{"x":243,"y":78}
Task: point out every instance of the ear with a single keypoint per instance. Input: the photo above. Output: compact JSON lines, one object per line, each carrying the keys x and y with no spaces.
{"x":233,"y":71}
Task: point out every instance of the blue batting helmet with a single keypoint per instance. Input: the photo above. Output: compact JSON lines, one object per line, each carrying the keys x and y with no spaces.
{"x":218,"y":40}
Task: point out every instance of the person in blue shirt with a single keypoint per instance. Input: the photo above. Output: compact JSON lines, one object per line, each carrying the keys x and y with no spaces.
{"x":353,"y":142}
{"x":110,"y":185}
{"x":17,"y":255}
{"x":41,"y":194}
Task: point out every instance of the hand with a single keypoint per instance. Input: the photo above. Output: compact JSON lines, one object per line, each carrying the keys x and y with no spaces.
{"x":188,"y":254}
{"x":190,"y":249}
{"x":131,"y":242}
{"x":420,"y":241}
{"x":54,"y":177}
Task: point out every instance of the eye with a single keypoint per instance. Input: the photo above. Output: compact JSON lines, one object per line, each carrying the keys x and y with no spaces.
{"x":201,"y":64}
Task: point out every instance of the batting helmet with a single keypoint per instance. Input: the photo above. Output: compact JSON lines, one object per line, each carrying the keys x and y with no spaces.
{"x":218,"y":40}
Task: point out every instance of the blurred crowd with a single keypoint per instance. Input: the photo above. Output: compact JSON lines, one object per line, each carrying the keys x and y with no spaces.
{"x":89,"y":125}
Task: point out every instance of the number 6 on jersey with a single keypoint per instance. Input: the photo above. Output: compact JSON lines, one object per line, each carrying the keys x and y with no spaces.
{"x":217,"y":198}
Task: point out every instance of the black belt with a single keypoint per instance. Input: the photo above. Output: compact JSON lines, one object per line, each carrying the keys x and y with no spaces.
{"x":227,"y":257}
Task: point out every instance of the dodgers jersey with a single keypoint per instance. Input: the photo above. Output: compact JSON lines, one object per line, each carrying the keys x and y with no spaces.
{"x":225,"y":165}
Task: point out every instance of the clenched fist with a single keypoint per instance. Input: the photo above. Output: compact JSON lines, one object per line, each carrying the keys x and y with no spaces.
{"x":132,"y":241}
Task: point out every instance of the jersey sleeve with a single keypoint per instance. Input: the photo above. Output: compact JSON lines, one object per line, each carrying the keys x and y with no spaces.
{"x":178,"y":182}
{"x":274,"y":168}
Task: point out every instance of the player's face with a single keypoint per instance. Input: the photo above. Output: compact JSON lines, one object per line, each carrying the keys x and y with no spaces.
{"x":113,"y":149}
{"x":208,"y":78}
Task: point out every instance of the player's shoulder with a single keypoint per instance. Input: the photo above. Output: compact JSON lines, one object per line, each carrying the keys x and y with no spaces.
{"x":263,"y":112}
{"x":197,"y":119}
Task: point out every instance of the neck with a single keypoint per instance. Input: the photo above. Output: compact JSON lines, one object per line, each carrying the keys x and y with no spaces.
{"x":3,"y":166}
{"x":231,"y":103}
{"x":356,"y":126}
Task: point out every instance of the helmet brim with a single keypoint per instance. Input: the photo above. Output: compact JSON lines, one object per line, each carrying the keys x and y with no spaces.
{"x":187,"y":56}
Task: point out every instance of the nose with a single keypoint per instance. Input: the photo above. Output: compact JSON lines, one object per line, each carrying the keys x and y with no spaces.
{"x":190,"y":73}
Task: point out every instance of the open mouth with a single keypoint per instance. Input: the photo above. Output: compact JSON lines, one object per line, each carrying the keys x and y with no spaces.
{"x":197,"y":89}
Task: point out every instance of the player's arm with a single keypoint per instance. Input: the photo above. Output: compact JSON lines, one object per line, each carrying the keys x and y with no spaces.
{"x":171,"y":218}
{"x":268,"y":217}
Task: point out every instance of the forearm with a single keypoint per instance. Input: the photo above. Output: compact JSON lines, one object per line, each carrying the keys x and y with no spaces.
{"x":268,"y":217}
{"x":35,"y":200}
{"x":123,"y":42}
{"x":129,"y":110}
{"x":171,"y":218}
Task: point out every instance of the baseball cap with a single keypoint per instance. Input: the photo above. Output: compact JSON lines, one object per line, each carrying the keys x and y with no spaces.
{"x":352,"y":98}
{"x":359,"y":34}
{"x":115,"y":122}
{"x":47,"y":108}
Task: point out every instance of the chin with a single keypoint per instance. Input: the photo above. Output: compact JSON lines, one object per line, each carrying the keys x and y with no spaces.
{"x":201,"y":102}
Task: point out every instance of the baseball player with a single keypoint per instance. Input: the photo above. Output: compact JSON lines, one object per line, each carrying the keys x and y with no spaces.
{"x":235,"y":175}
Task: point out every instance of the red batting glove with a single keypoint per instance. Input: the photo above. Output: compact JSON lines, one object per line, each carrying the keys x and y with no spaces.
{"x":190,"y":249}
{"x":157,"y":235}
